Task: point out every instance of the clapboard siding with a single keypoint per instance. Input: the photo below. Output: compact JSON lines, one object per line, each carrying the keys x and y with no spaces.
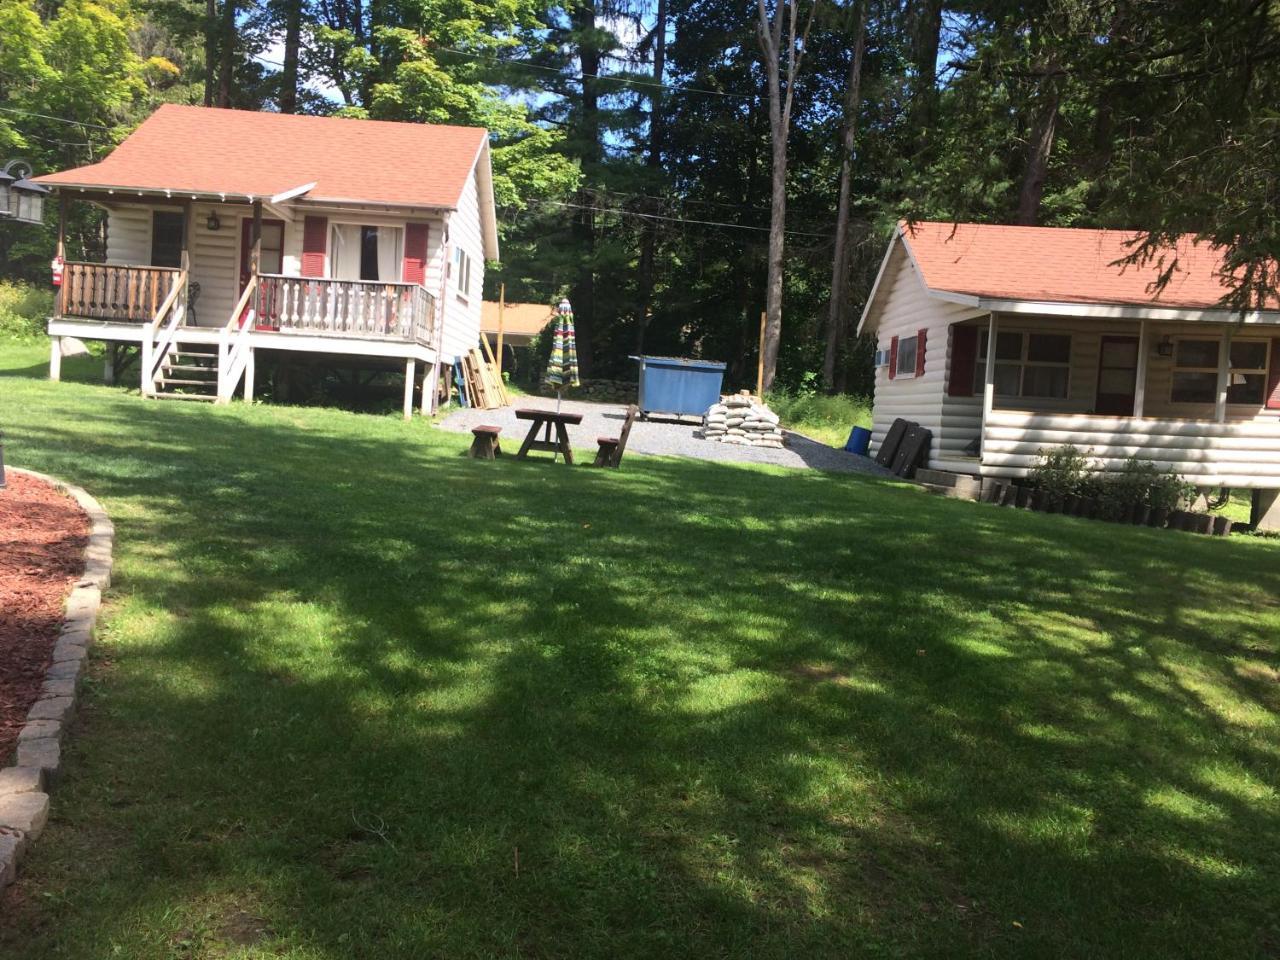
{"x":907,"y":310}
{"x":462,"y":312}
{"x":1242,"y":454}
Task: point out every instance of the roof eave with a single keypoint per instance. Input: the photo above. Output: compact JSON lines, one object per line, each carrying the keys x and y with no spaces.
{"x":1107,"y":311}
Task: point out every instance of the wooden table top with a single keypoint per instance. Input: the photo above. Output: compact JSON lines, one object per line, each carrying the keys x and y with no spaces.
{"x":532,"y":413}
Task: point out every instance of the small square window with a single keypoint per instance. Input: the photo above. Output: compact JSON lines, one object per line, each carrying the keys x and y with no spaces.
{"x":1049,"y":348}
{"x":1249,"y":355}
{"x":1195,"y":387}
{"x":1197,"y":353}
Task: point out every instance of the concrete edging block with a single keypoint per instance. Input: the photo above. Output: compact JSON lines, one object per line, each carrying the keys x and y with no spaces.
{"x":24,"y":806}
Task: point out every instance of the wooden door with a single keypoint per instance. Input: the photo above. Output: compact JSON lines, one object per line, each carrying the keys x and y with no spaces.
{"x":272,"y":260}
{"x":1117,"y":376}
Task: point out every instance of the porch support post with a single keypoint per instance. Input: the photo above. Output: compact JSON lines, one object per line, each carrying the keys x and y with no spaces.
{"x":429,"y":378}
{"x":409,"y":366}
{"x":186,"y":235}
{"x":255,"y":239}
{"x":248,"y":377}
{"x":1140,"y":387}
{"x":55,"y":359}
{"x":1224,"y":369}
{"x":989,"y":384}
{"x":109,"y":365}
{"x":62,"y":249}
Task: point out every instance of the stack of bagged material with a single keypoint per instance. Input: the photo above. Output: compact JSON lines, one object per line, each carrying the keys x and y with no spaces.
{"x":742,"y":419}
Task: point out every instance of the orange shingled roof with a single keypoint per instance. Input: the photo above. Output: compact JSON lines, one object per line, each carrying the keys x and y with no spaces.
{"x":238,"y":152}
{"x":1059,"y":265}
{"x":518,"y":319}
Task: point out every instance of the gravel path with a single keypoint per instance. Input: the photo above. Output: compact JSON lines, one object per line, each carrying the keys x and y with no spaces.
{"x":661,"y":437}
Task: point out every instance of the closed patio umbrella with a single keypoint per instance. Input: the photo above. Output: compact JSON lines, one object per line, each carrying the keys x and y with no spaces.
{"x":562,"y":368}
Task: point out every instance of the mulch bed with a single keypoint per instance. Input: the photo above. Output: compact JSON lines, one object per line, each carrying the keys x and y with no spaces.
{"x":43,"y":534}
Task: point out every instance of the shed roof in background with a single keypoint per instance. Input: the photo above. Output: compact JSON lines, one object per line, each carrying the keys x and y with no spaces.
{"x":519,"y":320}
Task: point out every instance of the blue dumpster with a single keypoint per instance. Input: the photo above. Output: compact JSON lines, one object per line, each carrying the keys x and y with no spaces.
{"x":678,"y":386}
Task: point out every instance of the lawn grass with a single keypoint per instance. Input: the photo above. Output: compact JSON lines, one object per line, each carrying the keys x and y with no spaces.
{"x":828,"y":419}
{"x":359,"y":696}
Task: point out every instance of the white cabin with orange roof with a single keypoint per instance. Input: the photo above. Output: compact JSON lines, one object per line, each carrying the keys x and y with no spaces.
{"x":233,"y":232}
{"x":1004,"y":342}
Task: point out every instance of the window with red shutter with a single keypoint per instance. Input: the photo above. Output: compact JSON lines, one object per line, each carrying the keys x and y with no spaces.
{"x":920,"y":344}
{"x":893,"y":358}
{"x":1273,"y":377}
{"x":415,"y":253}
{"x":315,"y":236}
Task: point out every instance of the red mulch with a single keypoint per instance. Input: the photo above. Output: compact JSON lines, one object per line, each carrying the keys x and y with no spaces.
{"x":43,"y":534}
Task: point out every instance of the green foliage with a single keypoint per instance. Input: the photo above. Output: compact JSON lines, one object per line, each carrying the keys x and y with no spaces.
{"x":818,"y":415}
{"x":1063,"y":471}
{"x":24,"y":308}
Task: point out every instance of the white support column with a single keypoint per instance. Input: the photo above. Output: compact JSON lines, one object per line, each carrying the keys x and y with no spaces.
{"x":145,"y":383}
{"x":409,"y":367}
{"x":1140,"y":387}
{"x":989,"y":383}
{"x":1224,"y":371}
{"x":429,"y":378}
{"x":248,"y":377}
{"x":109,"y":365}
{"x":55,"y":359}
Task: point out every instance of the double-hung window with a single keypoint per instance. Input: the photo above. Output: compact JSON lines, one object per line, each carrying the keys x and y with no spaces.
{"x":907,"y":347}
{"x":1195,"y":371}
{"x":462,"y":271}
{"x":1027,"y":365}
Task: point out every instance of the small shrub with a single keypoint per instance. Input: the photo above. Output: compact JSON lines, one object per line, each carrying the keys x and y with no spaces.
{"x":1063,"y":472}
{"x":1141,"y":483}
{"x":24,"y":308}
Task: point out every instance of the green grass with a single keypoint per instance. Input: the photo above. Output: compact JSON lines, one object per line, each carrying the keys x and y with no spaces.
{"x":816,"y":415}
{"x":347,"y":677}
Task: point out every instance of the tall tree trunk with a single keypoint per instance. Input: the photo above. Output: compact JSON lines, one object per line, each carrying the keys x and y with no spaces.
{"x":783,"y":48}
{"x":839,"y":260}
{"x":210,"y":49}
{"x":925,"y":23}
{"x":584,"y":224}
{"x":649,"y":239}
{"x":288,"y":100}
{"x":226,"y":52}
{"x":1039,"y":148}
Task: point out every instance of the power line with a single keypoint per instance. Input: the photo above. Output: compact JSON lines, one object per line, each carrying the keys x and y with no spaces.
{"x":655,"y":216}
{"x":45,"y":116}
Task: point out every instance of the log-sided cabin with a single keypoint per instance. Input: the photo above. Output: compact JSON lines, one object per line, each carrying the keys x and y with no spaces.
{"x":1006,"y":341}
{"x":231,"y":232}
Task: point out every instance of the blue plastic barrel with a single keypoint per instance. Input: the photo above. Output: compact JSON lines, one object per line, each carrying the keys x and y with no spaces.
{"x":859,"y":441}
{"x":676,"y":385}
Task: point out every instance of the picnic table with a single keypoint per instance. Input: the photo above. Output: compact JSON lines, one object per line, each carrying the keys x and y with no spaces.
{"x":547,"y":420}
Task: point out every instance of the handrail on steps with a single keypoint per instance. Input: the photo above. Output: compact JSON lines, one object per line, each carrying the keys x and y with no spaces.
{"x":157,"y":343}
{"x":233,"y":358}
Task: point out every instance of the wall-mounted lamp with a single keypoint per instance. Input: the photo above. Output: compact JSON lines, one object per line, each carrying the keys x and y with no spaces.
{"x":21,"y":198}
{"x":1165,"y":347}
{"x":213,"y":223}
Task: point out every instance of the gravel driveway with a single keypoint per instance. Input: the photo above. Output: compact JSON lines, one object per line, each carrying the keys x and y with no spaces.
{"x":660,"y":437}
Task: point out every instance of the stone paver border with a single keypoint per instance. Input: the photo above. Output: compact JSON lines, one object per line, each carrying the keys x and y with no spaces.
{"x":24,"y":798}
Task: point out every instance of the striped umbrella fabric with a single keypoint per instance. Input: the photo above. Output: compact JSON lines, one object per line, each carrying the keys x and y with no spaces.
{"x":562,"y":368}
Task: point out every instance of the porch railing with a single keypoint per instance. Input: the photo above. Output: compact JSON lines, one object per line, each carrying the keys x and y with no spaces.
{"x":350,"y":308}
{"x":1204,"y":452}
{"x":127,"y":294}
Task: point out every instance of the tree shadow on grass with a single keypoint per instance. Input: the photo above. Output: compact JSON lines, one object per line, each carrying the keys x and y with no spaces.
{"x":349,"y":682}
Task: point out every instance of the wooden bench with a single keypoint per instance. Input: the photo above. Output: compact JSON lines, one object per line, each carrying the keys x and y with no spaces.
{"x":611,"y":449}
{"x":485,"y":446}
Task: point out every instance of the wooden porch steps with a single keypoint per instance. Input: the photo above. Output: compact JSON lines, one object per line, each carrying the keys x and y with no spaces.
{"x":189,"y":372}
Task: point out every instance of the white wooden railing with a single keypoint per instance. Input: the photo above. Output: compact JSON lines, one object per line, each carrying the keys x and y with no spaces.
{"x":1239,"y":453}
{"x":159,"y":335}
{"x":234,"y":350}
{"x":350,"y":308}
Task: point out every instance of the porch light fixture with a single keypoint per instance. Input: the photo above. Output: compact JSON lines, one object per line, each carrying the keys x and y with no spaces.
{"x":21,"y":198}
{"x":213,"y":223}
{"x":1165,"y":347}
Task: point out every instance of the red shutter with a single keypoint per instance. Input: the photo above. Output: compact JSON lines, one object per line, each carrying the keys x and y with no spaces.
{"x":315,"y":240}
{"x":920,"y":340}
{"x":964,"y":356}
{"x":1273,"y":377}
{"x":415,"y":253}
{"x":893,"y":358}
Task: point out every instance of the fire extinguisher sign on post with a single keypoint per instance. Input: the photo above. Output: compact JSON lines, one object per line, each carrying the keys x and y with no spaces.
{"x":57,"y":266}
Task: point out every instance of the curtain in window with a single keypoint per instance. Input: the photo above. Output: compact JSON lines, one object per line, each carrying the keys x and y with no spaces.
{"x":389,"y":254}
{"x":348,"y":248}
{"x":344,"y":255}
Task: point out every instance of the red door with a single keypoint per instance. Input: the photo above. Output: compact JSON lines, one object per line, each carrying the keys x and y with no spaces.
{"x":1117,"y":376}
{"x":272,"y":262}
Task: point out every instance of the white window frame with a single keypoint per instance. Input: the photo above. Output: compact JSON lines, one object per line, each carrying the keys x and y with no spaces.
{"x":331,"y":242}
{"x":462,"y":274}
{"x":979,"y":363}
{"x":899,"y":373}
{"x":1175,"y":369}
